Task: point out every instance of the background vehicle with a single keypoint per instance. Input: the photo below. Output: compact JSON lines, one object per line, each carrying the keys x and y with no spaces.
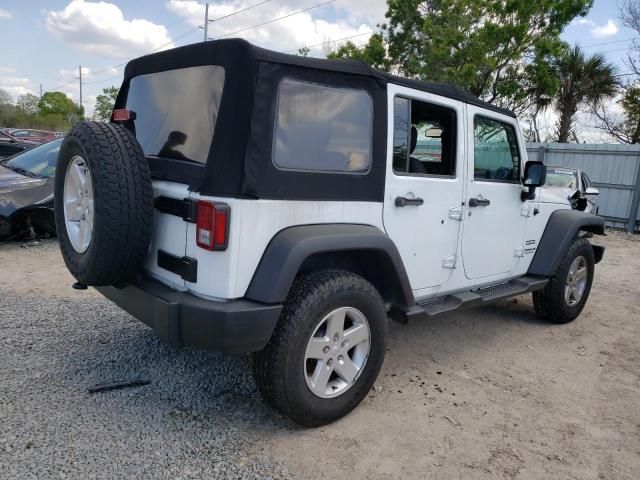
{"x":244,"y":200}
{"x":10,"y":145}
{"x":26,"y":191}
{"x":36,"y":136}
{"x":573,"y":184}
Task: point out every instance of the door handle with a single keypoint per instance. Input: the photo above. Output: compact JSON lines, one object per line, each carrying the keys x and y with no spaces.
{"x":403,"y":201}
{"x":477,"y":202}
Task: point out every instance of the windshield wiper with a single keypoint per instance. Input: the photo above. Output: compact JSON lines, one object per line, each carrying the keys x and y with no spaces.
{"x":21,"y":170}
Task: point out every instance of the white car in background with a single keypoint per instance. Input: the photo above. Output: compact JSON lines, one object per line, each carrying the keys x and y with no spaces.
{"x":572,"y":184}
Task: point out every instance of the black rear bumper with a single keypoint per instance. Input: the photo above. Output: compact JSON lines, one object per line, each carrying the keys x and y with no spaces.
{"x":182,"y":319}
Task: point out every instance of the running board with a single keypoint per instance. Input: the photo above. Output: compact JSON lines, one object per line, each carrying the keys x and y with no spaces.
{"x":472,"y":298}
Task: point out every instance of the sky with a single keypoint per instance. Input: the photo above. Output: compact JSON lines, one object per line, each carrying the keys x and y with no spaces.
{"x":45,"y":42}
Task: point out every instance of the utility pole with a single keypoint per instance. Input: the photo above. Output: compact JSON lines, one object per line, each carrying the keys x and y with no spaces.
{"x":40,"y":90}
{"x":206,"y":22}
{"x":80,"y":77}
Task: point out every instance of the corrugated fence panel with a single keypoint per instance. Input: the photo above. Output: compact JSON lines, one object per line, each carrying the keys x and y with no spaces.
{"x":615,"y":169}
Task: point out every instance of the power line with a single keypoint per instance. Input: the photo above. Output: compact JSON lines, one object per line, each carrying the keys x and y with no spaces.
{"x":276,"y":19}
{"x":608,"y":43}
{"x":616,"y":50}
{"x":102,"y":81}
{"x":626,"y":74}
{"x":194,"y":29}
{"x":152,"y":51}
{"x":332,"y":41}
{"x":184,"y":34}
{"x":238,"y":11}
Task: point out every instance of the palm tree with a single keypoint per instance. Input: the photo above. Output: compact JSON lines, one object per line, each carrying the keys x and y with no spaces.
{"x":584,"y":81}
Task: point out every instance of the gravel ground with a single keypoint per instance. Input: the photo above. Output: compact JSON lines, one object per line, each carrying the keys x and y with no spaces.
{"x":488,"y":393}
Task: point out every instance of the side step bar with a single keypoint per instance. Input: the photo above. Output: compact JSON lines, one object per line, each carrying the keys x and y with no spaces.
{"x":472,"y":298}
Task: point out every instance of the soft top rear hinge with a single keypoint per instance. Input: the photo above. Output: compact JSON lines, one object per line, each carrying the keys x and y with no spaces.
{"x":184,"y":208}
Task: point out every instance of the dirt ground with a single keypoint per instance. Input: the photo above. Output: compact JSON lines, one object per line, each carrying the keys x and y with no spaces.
{"x":487,"y":393}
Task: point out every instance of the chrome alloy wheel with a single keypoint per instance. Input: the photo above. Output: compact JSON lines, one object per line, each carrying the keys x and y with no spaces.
{"x":78,"y":204}
{"x":337,"y":352}
{"x":576,"y":281}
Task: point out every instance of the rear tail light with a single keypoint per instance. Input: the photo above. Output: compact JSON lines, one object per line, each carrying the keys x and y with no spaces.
{"x":212,"y":225}
{"x":122,"y":115}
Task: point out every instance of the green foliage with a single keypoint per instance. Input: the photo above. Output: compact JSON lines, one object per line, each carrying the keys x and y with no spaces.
{"x":373,"y":52}
{"x":584,"y":82}
{"x":303,"y":51}
{"x":631,"y":107}
{"x":491,"y":48}
{"x":27,"y":113}
{"x":105,"y":103}
{"x":57,"y":103}
{"x":627,"y":128}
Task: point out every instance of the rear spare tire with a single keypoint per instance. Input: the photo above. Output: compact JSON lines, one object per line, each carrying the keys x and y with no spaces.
{"x":103,"y":204}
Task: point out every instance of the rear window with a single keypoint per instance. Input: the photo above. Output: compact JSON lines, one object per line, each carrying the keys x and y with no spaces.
{"x":176,"y":111}
{"x":322,"y":128}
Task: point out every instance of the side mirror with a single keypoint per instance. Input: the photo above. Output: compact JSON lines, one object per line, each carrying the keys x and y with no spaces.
{"x":535,"y":175}
{"x":592,"y":191}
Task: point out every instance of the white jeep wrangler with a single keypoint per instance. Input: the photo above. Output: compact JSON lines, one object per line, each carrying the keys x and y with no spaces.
{"x":243,"y":200}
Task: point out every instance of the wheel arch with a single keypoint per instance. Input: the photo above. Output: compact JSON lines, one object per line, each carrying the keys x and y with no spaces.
{"x":562,"y":228}
{"x":362,"y":249}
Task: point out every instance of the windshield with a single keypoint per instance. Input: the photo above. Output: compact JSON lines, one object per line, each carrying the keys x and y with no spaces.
{"x":558,"y":177}
{"x":40,"y":161}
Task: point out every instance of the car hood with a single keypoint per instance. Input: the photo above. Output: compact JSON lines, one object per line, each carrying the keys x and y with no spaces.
{"x":18,"y":191}
{"x":556,"y":194}
{"x":11,"y":180}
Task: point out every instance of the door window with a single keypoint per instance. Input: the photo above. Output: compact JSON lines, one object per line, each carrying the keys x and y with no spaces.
{"x":586,"y":183}
{"x":496,"y":154}
{"x":424,"y":137}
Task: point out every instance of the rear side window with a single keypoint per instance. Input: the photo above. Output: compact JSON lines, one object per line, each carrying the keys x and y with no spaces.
{"x":322,"y":128}
{"x":496,"y":154}
{"x":176,"y":111}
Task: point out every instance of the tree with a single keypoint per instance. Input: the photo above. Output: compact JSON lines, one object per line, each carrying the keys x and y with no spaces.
{"x":303,"y":51}
{"x":373,"y":52}
{"x":627,"y":128}
{"x":630,"y":16}
{"x":584,"y":82}
{"x":57,"y":103}
{"x":483,"y":46}
{"x":28,"y":103}
{"x":105,"y":103}
{"x":5,"y":97}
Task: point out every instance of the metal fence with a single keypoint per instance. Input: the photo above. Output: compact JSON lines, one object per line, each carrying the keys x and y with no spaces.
{"x":614,"y":169}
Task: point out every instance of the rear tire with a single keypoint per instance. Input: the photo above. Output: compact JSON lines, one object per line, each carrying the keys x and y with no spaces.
{"x":566,"y":294}
{"x":120,"y":209}
{"x":290,"y":381}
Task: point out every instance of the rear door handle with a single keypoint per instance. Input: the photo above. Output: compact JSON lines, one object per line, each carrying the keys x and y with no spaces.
{"x":403,"y":201}
{"x":479,"y":202}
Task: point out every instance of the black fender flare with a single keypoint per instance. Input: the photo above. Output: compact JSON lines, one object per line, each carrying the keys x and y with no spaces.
{"x":562,"y":228}
{"x":289,"y":248}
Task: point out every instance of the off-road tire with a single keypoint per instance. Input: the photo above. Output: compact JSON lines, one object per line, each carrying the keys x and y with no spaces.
{"x":123,"y":204}
{"x":550,"y":303}
{"x":279,"y":368}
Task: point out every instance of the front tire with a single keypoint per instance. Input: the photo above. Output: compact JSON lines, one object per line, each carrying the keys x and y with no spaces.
{"x":327,"y":349}
{"x":566,"y":294}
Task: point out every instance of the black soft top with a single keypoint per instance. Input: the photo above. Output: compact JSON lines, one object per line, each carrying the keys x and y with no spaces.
{"x":241,"y":49}
{"x":239,"y":163}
